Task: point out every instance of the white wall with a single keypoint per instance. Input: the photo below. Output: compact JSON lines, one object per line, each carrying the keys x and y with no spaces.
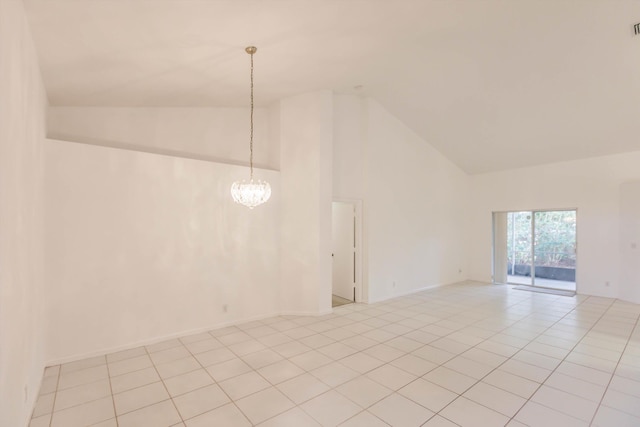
{"x":306,"y":130}
{"x":349,"y":145}
{"x":22,"y":119}
{"x":217,"y":134}
{"x":142,"y":246}
{"x":592,"y":186}
{"x":415,"y":211}
{"x":630,"y":241}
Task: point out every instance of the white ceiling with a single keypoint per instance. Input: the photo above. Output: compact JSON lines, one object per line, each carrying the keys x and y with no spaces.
{"x":491,"y":84}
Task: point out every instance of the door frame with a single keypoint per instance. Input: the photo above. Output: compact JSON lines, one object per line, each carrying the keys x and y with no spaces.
{"x":533,"y":211}
{"x":357,"y":203}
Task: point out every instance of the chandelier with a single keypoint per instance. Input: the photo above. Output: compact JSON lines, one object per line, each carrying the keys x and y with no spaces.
{"x":253,"y":192}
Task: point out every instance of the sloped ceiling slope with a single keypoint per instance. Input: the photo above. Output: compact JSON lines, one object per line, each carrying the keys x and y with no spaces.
{"x":491,"y":84}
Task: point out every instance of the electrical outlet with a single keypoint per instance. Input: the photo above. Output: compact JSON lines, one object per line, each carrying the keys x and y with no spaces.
{"x":607,"y":284}
{"x":225,"y":308}
{"x":26,"y":393}
{"x":394,"y":283}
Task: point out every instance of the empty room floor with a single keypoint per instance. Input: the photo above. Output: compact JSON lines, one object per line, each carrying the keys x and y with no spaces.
{"x":469,"y":355}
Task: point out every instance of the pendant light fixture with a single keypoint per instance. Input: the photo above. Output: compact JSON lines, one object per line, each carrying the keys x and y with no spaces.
{"x":253,"y":192}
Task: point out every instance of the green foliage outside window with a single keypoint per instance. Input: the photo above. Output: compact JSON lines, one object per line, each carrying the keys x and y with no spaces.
{"x":555,"y":238}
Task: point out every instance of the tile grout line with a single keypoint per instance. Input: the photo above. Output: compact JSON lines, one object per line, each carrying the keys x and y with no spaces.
{"x":113,"y":398}
{"x":563,"y":359}
{"x":163,"y":385}
{"x":635,"y":326}
{"x":55,"y":396}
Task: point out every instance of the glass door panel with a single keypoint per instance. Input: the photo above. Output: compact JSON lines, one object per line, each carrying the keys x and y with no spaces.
{"x":519,"y":247}
{"x":554,"y":261}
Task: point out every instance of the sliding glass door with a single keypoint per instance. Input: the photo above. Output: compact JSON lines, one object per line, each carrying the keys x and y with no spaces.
{"x":536,"y":248}
{"x":554,"y":263}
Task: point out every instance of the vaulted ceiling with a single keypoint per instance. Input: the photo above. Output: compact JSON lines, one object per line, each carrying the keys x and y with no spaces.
{"x":492,"y":84}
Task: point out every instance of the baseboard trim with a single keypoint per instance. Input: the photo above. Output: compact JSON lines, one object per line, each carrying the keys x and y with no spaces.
{"x":413,"y":291}
{"x":155,"y":340}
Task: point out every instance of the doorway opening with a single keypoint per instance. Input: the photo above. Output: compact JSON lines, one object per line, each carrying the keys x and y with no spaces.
{"x":345,"y":252}
{"x":536,"y":248}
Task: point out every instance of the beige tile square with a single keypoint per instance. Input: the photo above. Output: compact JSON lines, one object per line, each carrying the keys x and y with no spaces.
{"x":42,"y":421}
{"x":451,"y":380}
{"x":227,"y":415}
{"x":468,"y":367}
{"x":434,"y":354}
{"x":567,"y":403}
{"x":50,"y":371}
{"x":364,"y":419}
{"x":247,"y":347}
{"x":607,"y":417}
{"x":264,"y":404}
{"x":438,"y":421}
{"x":534,"y":414}
{"x":200,"y":401}
{"x":82,"y":364}
{"x":359,"y":342}
{"x":44,"y":405}
{"x":83,"y":376}
{"x":184,"y":383}
{"x":177,"y":367}
{"x":244,"y":385}
{"x":384,"y":352}
{"x":363,"y":391}
{"x":310,"y":360}
{"x":494,"y":398}
{"x":302,"y":388}
{"x":85,"y":414}
{"x":391,"y":377}
{"x":294,"y":417}
{"x":229,"y":369}
{"x":330,"y":408}
{"x":361,"y":362}
{"x":213,"y":357}
{"x":575,"y":386}
{"x":404,"y":344}
{"x":525,"y":370}
{"x":337,"y":350}
{"x":140,"y":397}
{"x":132,"y":364}
{"x":512,"y":383}
{"x":274,"y":339}
{"x":467,"y":413}
{"x":262,"y":358}
{"x":334,"y":374}
{"x":291,"y":348}
{"x":398,"y":411}
{"x":134,"y":379}
{"x":162,"y":414}
{"x":82,"y":394}
{"x":280,"y":371}
{"x":414,"y":364}
{"x":625,"y":385}
{"x":622,"y":402}
{"x":428,"y":394}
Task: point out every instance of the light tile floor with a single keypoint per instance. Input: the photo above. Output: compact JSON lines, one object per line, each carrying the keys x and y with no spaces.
{"x":469,"y":355}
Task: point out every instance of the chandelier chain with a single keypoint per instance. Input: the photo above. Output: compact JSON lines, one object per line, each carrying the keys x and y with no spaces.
{"x":251,"y":122}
